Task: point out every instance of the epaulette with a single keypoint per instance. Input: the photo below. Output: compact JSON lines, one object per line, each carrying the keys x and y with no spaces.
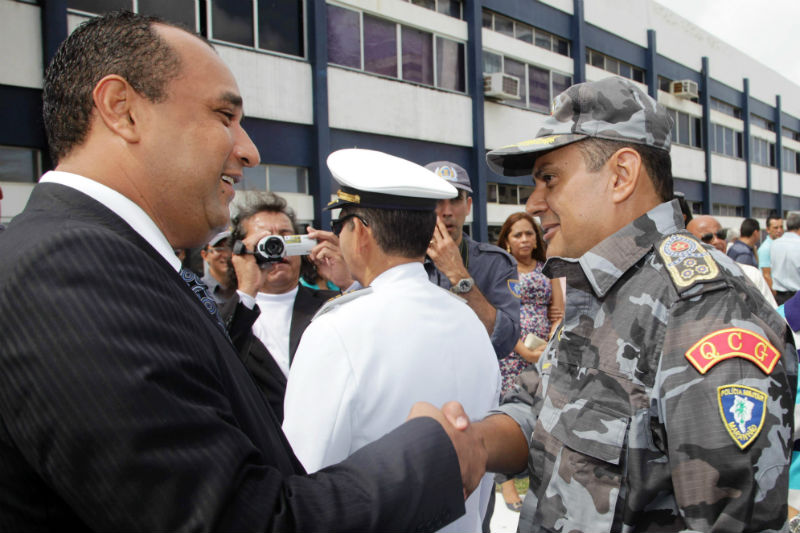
{"x":687,"y":261}
{"x":341,"y":299}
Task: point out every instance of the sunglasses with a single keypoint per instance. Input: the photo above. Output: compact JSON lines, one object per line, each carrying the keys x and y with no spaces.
{"x":708,"y":237}
{"x":338,"y":224}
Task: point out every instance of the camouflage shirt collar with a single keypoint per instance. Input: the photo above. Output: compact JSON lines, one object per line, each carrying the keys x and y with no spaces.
{"x":608,"y":261}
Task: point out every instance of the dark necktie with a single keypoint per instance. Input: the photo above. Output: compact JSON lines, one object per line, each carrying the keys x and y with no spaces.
{"x":201,"y":291}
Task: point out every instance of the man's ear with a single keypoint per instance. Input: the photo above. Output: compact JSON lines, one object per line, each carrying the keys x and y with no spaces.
{"x":115,"y":104}
{"x":626,"y":168}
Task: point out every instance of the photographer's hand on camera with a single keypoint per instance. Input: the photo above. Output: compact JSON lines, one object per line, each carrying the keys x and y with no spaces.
{"x":328,"y":258}
{"x":249,"y":274}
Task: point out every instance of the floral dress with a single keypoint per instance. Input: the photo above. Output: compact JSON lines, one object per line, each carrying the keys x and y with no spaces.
{"x":535,"y":293}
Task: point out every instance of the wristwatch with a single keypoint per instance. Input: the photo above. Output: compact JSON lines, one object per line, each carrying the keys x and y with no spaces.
{"x":463,"y":286}
{"x":794,"y":524}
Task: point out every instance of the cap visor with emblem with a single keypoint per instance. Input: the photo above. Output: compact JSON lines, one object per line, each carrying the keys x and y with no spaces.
{"x":373,"y":179}
{"x":613,"y":108}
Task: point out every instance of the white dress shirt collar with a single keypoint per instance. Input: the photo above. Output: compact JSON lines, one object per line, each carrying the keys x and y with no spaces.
{"x":123,"y":207}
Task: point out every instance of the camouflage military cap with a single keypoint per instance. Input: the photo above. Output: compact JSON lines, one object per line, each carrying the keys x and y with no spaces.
{"x":613,"y":108}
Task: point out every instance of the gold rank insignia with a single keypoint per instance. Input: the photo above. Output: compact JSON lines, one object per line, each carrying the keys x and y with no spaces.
{"x":686,"y":260}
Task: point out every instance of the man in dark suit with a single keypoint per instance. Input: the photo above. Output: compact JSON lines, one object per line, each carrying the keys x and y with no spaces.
{"x":271,"y":309}
{"x":123,"y":405}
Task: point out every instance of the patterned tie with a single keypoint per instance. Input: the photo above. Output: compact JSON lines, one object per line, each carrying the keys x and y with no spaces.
{"x":201,"y":291}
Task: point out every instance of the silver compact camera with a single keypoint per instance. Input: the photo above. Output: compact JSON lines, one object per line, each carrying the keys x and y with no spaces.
{"x":273,"y":248}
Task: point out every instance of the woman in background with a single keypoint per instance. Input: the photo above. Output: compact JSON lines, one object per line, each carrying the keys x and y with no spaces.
{"x":541,"y":308}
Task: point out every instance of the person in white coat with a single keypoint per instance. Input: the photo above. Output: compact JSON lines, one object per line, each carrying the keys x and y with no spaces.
{"x":370,"y":354}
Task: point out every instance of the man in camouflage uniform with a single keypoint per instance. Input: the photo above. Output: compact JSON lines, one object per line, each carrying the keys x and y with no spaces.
{"x":664,"y":401}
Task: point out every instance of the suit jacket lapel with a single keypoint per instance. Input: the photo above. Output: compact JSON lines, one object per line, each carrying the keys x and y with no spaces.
{"x":79,"y":206}
{"x":305,"y":306}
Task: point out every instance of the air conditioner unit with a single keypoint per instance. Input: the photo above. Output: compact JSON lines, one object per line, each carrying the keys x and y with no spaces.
{"x":684,"y":89}
{"x":501,"y":86}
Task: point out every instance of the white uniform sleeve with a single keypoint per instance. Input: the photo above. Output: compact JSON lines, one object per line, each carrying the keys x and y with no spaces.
{"x":320,"y":392}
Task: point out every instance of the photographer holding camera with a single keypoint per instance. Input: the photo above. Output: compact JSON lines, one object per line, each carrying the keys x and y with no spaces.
{"x":270,"y":310}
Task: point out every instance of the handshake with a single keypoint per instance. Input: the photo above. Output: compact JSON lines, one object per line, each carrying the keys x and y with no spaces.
{"x":494,"y":444}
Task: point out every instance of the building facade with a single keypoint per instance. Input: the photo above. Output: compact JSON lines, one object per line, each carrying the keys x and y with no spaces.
{"x":439,"y":79}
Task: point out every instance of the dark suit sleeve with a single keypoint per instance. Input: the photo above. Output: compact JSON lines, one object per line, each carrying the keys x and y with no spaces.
{"x":128,"y":404}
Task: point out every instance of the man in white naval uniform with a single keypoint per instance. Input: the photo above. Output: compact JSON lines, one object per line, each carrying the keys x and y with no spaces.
{"x":369,"y":355}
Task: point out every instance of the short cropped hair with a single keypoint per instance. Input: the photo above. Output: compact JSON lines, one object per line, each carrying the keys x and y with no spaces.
{"x":399,"y":232}
{"x":255,"y":202}
{"x":119,"y":43}
{"x":793,"y":222}
{"x":656,"y":162}
{"x":537,"y":253}
{"x":748,"y":227}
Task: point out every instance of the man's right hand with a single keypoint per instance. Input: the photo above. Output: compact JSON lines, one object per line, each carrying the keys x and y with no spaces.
{"x":467,"y":442}
{"x":249,"y":275}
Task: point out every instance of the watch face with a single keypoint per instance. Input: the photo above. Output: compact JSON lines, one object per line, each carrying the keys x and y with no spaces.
{"x":463,"y":285}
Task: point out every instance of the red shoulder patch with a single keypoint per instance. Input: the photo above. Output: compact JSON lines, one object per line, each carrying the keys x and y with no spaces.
{"x":733,"y":342}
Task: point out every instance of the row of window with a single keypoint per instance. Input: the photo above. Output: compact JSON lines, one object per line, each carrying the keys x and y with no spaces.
{"x":538,"y":86}
{"x":686,"y":129}
{"x":726,"y":108}
{"x":274,"y":25}
{"x":275,"y":178}
{"x":524,"y":32}
{"x":761,"y":122}
{"x":452,"y":8}
{"x":613,"y":65}
{"x":791,"y":161}
{"x":500,"y":193}
{"x":361,"y":41}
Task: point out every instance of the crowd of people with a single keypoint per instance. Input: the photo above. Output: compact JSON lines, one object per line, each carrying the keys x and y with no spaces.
{"x":609,"y":347}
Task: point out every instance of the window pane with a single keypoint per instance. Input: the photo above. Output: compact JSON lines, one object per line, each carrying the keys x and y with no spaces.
{"x":491,"y":192}
{"x":524,"y":192}
{"x":507,"y":194}
{"x":487,"y":19}
{"x":450,"y":7}
{"x":254,"y":179}
{"x":503,"y":25}
{"x":417,"y":56}
{"x":562,"y":47}
{"x":638,"y":75}
{"x":180,"y":11}
{"x":728,"y":141}
{"x":697,"y":136}
{"x":597,"y":60}
{"x":683,"y":128}
{"x":287,"y":179}
{"x":280,"y":26}
{"x":719,"y":139}
{"x":492,"y":62}
{"x":560,"y":83}
{"x":624,"y":70}
{"x":344,"y":37}
{"x":543,"y":40}
{"x":612,"y":65}
{"x":18,"y":164}
{"x":450,"y":64}
{"x":674,"y":132}
{"x":524,"y":32}
{"x":539,"y":80}
{"x":427,"y":4}
{"x":515,"y":68}
{"x":380,"y":46}
{"x":100,"y":6}
{"x":232,"y":21}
